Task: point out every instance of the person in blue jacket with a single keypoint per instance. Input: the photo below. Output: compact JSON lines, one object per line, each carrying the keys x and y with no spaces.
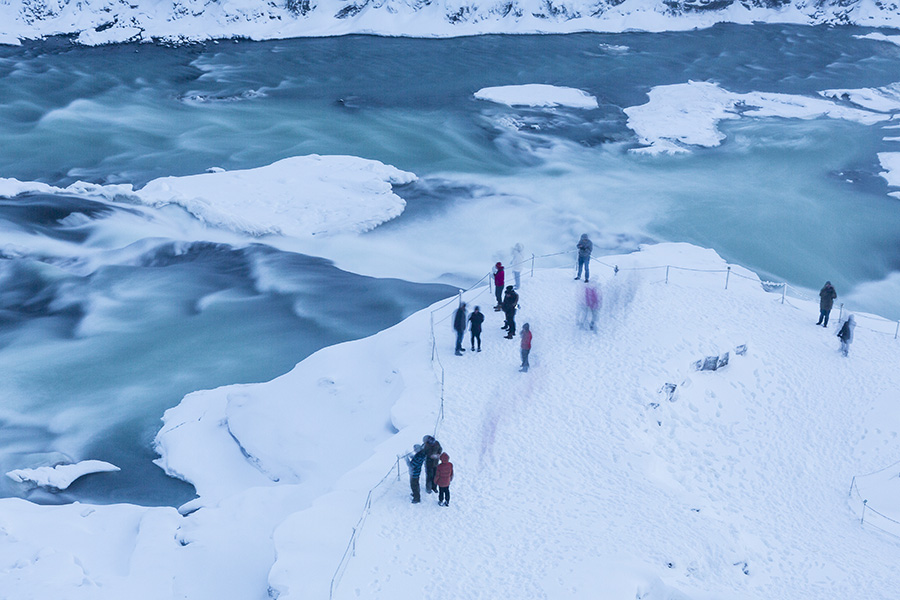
{"x":414,"y":462}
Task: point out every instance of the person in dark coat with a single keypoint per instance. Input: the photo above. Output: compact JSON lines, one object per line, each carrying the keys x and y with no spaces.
{"x":585,"y":246}
{"x":443,"y":477}
{"x":433,"y":450}
{"x":510,"y":302}
{"x":827,"y":296}
{"x":475,"y":321}
{"x":846,"y":334}
{"x":459,"y":325}
{"x":499,"y":278}
{"x":414,"y":463}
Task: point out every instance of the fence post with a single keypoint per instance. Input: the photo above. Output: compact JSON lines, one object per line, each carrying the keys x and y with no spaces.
{"x":667,"y":273}
{"x":852,"y":483}
{"x":532,"y":264}
{"x":398,"y":469}
{"x":783,"y":291}
{"x":433,"y":341}
{"x":841,"y":313}
{"x":727,"y":275}
{"x":896,"y":331}
{"x":863,"y":517}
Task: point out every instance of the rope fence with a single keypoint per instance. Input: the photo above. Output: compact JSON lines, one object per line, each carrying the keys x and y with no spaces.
{"x":486,"y":283}
{"x":881,"y":520}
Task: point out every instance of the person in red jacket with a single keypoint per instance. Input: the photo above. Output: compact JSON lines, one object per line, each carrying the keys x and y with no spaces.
{"x":442,"y":477}
{"x":499,"y":278}
{"x":526,"y":346}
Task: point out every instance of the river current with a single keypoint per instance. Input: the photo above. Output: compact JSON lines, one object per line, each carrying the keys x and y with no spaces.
{"x":111,"y":314}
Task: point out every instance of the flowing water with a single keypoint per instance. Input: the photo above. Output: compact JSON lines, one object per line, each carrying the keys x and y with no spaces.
{"x":110,"y":313}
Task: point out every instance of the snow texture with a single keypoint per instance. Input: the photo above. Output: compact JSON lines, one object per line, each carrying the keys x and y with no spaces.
{"x":578,"y":479}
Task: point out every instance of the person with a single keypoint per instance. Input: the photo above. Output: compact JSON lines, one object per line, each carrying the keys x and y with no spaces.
{"x":432,"y":449}
{"x":443,"y":476}
{"x":526,"y":346}
{"x":510,"y":302}
{"x":475,"y":320}
{"x":592,"y":301}
{"x":459,"y":325}
{"x":585,"y":247}
{"x":414,"y":463}
{"x":846,"y":334}
{"x":827,"y":296}
{"x":499,"y":278}
{"x":518,"y":257}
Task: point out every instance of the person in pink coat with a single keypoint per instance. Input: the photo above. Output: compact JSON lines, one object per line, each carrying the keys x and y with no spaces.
{"x":499,"y":279}
{"x":526,"y":346}
{"x":442,"y":478}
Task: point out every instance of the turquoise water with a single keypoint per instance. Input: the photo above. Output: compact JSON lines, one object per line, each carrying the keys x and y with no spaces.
{"x":101,"y":331}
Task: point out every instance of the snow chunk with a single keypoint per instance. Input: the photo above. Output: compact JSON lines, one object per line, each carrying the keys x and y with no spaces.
{"x":880,"y":37}
{"x":61,"y":476}
{"x":300,"y":196}
{"x":884,"y":99}
{"x":688,"y":114}
{"x":536,"y":94}
{"x":890,"y":162}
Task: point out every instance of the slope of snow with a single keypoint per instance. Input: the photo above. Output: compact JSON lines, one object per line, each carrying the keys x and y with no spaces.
{"x":100,"y":21}
{"x":580,"y":478}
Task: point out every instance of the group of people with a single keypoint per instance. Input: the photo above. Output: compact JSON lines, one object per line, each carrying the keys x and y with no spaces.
{"x":438,"y":470}
{"x":476,"y":320}
{"x":827,"y":296}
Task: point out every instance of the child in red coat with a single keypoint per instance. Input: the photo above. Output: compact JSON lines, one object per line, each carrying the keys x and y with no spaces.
{"x":442,"y":477}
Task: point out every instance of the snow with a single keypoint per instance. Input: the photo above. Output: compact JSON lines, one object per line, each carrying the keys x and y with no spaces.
{"x":539,"y":95}
{"x":300,"y":196}
{"x":885,"y":99}
{"x":688,"y":113}
{"x":890,"y":162}
{"x":60,"y":476}
{"x":97,"y":22}
{"x":577,"y":479}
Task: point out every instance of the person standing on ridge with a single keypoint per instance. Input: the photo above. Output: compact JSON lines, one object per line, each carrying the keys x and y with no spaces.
{"x":459,"y":325}
{"x":414,"y":463}
{"x":827,"y":296}
{"x":510,"y":302}
{"x":442,"y":477}
{"x":526,"y":347}
{"x":499,"y":278}
{"x":432,"y":449}
{"x":585,"y":247}
{"x":475,"y":320}
{"x":846,"y":334}
{"x":518,"y":257}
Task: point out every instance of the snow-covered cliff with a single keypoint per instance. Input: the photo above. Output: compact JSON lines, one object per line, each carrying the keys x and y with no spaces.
{"x":109,"y":21}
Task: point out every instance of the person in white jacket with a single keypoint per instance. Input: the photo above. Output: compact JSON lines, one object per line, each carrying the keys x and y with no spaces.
{"x":518,"y":257}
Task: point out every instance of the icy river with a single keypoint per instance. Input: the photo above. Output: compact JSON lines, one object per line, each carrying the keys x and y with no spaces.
{"x":111,"y":312}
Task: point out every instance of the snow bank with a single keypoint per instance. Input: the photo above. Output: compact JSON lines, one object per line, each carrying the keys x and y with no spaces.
{"x":301,"y":196}
{"x":733,"y":486}
{"x":884,"y":99}
{"x":99,"y":22}
{"x":61,"y":476}
{"x":536,"y":94}
{"x":688,"y":113}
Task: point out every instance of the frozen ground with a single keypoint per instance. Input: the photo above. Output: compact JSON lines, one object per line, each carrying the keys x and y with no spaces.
{"x":580,"y":478}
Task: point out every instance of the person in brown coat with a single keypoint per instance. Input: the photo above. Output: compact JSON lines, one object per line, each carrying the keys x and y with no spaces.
{"x":442,"y":477}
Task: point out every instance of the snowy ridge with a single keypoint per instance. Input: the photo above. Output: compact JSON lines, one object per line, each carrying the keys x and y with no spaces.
{"x":579,"y":476}
{"x":102,"y":21}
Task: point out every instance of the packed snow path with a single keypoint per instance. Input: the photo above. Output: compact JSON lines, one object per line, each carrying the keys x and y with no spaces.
{"x":578,"y":479}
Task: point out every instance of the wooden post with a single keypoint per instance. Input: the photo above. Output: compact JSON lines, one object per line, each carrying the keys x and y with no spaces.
{"x":727,"y":275}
